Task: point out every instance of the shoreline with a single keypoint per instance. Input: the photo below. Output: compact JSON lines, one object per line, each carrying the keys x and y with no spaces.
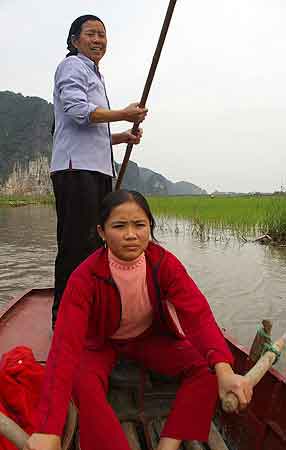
{"x":25,"y":200}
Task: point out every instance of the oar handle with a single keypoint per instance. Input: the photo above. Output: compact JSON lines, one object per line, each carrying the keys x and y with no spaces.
{"x":12,"y":431}
{"x":230,"y":402}
{"x":147,"y":86}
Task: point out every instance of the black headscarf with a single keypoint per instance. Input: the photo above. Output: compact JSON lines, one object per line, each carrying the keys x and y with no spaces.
{"x":75,"y":30}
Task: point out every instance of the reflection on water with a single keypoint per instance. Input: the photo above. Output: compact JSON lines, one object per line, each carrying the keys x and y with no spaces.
{"x":243,"y":283}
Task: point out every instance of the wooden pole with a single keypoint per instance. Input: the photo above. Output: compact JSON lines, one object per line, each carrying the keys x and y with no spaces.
{"x":12,"y":431}
{"x":147,"y":87}
{"x":263,"y":336}
{"x":230,"y":402}
{"x":15,"y":434}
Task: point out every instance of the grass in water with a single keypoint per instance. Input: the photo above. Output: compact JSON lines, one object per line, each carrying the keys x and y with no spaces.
{"x":242,"y":215}
{"x":16,"y":200}
{"x":276,"y":220}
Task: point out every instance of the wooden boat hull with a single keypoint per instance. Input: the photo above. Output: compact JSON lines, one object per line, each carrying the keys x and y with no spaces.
{"x":26,"y":321}
{"x":263,"y":426}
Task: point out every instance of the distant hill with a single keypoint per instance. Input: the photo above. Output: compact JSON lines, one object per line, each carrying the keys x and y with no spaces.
{"x":149,"y":182}
{"x":26,"y":146}
{"x":25,"y":124}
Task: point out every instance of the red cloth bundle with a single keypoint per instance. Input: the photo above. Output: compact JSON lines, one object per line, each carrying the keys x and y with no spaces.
{"x":20,"y":385}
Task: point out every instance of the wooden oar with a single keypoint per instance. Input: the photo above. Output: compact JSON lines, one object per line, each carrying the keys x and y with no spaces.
{"x":147,"y":87}
{"x":230,"y":402}
{"x":12,"y":431}
{"x":17,"y":436}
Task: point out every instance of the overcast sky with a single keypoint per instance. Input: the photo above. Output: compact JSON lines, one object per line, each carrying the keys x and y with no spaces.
{"x":218,"y":101}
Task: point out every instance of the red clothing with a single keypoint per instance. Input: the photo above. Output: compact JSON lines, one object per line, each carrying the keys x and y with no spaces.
{"x":20,"y":385}
{"x":191,"y":412}
{"x":90,"y":314}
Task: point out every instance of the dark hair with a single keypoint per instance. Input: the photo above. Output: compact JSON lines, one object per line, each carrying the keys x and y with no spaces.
{"x":117,"y":198}
{"x":75,"y":31}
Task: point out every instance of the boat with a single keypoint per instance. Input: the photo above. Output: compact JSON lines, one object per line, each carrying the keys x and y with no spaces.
{"x":142,"y":407}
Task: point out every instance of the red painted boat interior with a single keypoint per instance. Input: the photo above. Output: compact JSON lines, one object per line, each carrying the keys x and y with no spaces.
{"x":27,"y":321}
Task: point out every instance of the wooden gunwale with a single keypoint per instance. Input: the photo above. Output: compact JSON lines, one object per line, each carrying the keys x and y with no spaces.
{"x":18,"y":298}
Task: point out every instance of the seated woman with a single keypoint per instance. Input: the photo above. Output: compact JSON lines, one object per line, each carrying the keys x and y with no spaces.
{"x":133,"y":299}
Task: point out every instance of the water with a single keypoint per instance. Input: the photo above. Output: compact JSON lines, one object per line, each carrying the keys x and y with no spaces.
{"x":27,"y":249}
{"x":243,"y":283}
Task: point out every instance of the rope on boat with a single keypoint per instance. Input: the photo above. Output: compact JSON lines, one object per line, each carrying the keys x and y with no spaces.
{"x":268,"y":346}
{"x":261,"y":331}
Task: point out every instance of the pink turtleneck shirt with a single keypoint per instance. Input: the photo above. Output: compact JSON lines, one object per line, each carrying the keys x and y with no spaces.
{"x":130,"y":278}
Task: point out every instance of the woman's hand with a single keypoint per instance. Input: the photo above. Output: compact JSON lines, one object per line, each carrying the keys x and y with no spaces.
{"x":228,"y":381}
{"x":40,"y":441}
{"x":127,"y":137}
{"x":130,"y":138}
{"x":133,"y":113}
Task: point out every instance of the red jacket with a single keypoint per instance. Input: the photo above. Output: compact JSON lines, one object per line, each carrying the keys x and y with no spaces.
{"x":90,"y":312}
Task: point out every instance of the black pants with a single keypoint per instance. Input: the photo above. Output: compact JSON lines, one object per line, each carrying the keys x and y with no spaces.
{"x":78,"y":194}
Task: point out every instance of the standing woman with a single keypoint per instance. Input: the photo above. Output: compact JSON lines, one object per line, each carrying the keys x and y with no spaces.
{"x":82,"y":160}
{"x":133,"y":299}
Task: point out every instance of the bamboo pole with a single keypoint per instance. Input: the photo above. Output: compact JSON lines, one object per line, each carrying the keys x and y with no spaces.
{"x":147,"y":86}
{"x":15,"y":434}
{"x":12,"y":431}
{"x":230,"y":402}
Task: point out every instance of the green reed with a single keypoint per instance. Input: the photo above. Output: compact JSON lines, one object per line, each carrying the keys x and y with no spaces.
{"x":23,"y":200}
{"x":276,"y":220}
{"x":243,"y":214}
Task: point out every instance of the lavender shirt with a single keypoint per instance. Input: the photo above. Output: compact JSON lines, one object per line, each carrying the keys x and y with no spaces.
{"x":78,"y":143}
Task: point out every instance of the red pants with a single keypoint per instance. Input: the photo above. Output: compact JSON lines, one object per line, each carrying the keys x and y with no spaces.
{"x":192,"y":410}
